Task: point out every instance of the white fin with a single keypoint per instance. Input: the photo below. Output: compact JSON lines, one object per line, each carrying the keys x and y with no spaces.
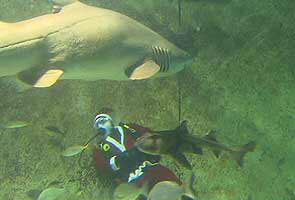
{"x":49,"y":78}
{"x":146,"y":70}
{"x":56,"y":9}
{"x":59,"y":4}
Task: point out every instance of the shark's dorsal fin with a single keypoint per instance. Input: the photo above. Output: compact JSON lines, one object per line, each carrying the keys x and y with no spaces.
{"x":146,"y":70}
{"x":212,"y":137}
{"x":181,"y":159}
{"x":182,"y":129}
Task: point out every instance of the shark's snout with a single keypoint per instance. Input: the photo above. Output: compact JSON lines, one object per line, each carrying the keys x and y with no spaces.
{"x":182,"y":61}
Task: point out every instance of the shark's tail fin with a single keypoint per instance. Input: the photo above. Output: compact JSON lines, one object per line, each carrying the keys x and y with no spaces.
{"x":239,"y":155}
{"x":188,"y":139}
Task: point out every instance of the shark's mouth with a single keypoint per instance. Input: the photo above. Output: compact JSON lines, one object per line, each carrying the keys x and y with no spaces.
{"x":161,"y":57}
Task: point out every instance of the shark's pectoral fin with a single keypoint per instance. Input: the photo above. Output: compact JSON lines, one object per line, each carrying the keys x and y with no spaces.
{"x":143,"y":71}
{"x":181,"y":159}
{"x":49,"y":78}
{"x":39,"y":77}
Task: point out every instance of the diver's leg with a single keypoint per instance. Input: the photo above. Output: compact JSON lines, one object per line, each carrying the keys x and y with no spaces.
{"x":161,"y":173}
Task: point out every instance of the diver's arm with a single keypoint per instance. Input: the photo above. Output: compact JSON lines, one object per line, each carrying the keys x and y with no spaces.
{"x":129,"y":160}
{"x":101,"y":163}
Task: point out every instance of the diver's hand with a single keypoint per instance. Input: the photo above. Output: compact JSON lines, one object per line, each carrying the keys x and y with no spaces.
{"x":124,"y":160}
{"x":128,"y":160}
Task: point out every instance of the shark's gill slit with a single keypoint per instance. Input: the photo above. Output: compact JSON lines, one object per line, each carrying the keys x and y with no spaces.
{"x":167,"y":56}
{"x":155,"y":55}
{"x":163,"y":53}
{"x":168,"y":59}
{"x":162,"y":58}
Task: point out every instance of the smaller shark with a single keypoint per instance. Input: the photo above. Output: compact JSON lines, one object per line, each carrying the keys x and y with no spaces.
{"x":176,"y":142}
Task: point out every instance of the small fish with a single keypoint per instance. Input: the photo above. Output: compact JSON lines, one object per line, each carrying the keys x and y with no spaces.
{"x":51,"y":193}
{"x":128,"y":191}
{"x":16,"y":124}
{"x":176,"y":142}
{"x":168,"y":190}
{"x":54,"y":131}
{"x":74,"y":150}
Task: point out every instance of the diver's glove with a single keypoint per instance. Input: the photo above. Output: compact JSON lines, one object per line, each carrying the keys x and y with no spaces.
{"x":122,"y":159}
{"x":120,"y":162}
{"x":127,"y":161}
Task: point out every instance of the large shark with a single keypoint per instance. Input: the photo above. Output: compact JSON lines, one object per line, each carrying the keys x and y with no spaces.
{"x":87,"y":43}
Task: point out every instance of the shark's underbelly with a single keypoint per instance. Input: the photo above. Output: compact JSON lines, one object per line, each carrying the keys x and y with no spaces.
{"x":91,"y":70}
{"x":20,"y":57}
{"x":104,"y":65}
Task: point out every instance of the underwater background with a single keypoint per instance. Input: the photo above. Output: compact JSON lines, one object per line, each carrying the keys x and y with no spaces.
{"x":242,"y":85}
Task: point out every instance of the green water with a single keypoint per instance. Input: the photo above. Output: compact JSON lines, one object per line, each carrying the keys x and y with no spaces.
{"x":243,"y":85}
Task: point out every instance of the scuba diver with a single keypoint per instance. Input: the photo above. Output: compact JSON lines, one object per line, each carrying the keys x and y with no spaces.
{"x":117,"y":157}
